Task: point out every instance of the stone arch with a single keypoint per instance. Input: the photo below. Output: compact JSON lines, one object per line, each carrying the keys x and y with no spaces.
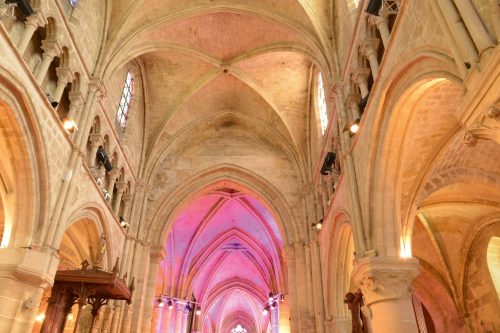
{"x":427,"y":71}
{"x":93,"y":214}
{"x":340,"y":265}
{"x":213,"y":178}
{"x":23,"y":169}
{"x":478,"y":290}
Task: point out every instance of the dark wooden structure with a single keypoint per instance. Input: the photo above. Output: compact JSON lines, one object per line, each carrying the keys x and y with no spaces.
{"x":83,"y":286}
{"x":354,"y":302}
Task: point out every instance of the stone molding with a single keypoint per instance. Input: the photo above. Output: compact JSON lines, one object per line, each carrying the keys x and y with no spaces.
{"x":385,"y":278}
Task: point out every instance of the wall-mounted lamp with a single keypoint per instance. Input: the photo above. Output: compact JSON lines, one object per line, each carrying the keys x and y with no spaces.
{"x":318,"y":225}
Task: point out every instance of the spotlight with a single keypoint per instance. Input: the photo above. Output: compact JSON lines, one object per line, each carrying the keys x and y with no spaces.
{"x":374,"y":7}
{"x":189,"y":308}
{"x":265,"y":311}
{"x":318,"y":225}
{"x":271,"y":297}
{"x":282,"y":298}
{"x":198,"y":311}
{"x":52,"y":101}
{"x":354,"y":126}
{"x":69,"y":125}
{"x":274,"y":305}
{"x":170,"y":305}
{"x":123,"y":223}
{"x":40,"y":317}
{"x":160,"y":302}
{"x":70,"y":316}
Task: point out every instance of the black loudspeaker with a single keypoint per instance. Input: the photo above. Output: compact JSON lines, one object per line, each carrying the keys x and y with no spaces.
{"x":101,"y":155}
{"x":24,"y":6}
{"x":327,"y":163}
{"x":374,"y":7}
{"x":108,"y":166}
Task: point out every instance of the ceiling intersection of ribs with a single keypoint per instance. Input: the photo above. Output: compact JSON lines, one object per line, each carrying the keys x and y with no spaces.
{"x":200,"y":59}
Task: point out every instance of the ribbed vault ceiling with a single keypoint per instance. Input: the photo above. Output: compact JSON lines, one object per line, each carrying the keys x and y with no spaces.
{"x":224,"y":247}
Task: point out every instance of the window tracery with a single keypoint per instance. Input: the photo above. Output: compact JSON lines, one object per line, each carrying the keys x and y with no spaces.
{"x":125,"y":100}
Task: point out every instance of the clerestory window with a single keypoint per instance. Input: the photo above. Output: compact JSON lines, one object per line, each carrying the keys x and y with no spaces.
{"x":323,"y":114}
{"x":125,"y":100}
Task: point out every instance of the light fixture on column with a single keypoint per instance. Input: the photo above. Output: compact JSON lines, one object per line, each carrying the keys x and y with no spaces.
{"x":40,"y":317}
{"x":188,"y":308}
{"x":124,"y":224}
{"x":107,"y":196}
{"x":69,"y":125}
{"x":70,"y":316}
{"x":160,"y":302}
{"x":318,"y":225}
{"x":374,"y":7}
{"x":354,"y":128}
{"x":266,"y":310}
{"x":52,"y":101}
{"x":282,"y":298}
{"x":24,"y":6}
{"x":170,"y":304}
{"x":198,"y":311}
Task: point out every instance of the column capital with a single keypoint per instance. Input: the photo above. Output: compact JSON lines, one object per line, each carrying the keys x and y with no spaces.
{"x":361,"y":75}
{"x":385,"y":278}
{"x":114,"y":173}
{"x":337,"y":88}
{"x":370,"y":46}
{"x":36,"y":20}
{"x":96,"y":139}
{"x":51,"y":48}
{"x":127,"y":197}
{"x":96,"y":85}
{"x":76,"y":98}
{"x":353,"y":98}
{"x":121,"y":186}
{"x":157,"y":254}
{"x":64,"y":75}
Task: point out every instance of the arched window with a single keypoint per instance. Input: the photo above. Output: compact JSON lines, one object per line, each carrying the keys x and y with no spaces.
{"x":239,"y":329}
{"x":323,"y":114}
{"x":125,"y":100}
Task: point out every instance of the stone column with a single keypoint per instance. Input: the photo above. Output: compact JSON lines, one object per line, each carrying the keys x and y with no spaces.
{"x":383,"y":28}
{"x":166,"y":321}
{"x":185,"y":321}
{"x":353,"y":104}
{"x":64,"y":76}
{"x":95,"y":141}
{"x":179,"y":309}
{"x":339,"y":325}
{"x":120,"y":189}
{"x":32,"y":23}
{"x":24,"y":275}
{"x":127,"y":199}
{"x":324,"y":197}
{"x":302,"y":295}
{"x":157,"y":255}
{"x":115,"y":321}
{"x":474,"y":25}
{"x":156,"y":320}
{"x":51,"y":50}
{"x":76,"y":103}
{"x":292,"y":288}
{"x":370,"y":47}
{"x":457,"y":29}
{"x":385,"y":284}
{"x":361,"y":78}
{"x":275,"y":319}
{"x":113,"y":177}
{"x":319,"y":310}
{"x":127,"y":318}
{"x":107,"y":318}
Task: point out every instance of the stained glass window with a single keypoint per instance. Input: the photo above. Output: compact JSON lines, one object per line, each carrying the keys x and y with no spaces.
{"x":323,"y":114}
{"x":125,"y":100}
{"x":239,"y":329}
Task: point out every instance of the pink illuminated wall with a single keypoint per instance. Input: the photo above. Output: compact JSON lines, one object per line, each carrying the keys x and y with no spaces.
{"x":225,"y":247}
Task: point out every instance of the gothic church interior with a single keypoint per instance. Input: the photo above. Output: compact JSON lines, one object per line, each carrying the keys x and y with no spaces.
{"x":264,"y":166}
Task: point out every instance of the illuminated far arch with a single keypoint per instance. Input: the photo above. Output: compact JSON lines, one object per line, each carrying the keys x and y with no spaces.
{"x":493,"y":261}
{"x":225,"y":176}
